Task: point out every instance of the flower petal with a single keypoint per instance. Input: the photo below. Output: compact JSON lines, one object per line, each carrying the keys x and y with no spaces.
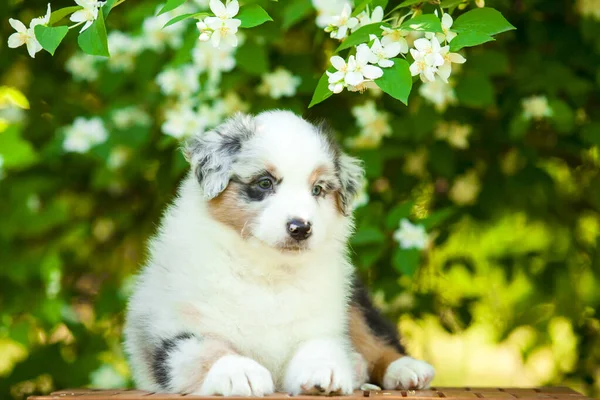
{"x":15,"y":40}
{"x":450,"y":35}
{"x":338,"y":62}
{"x":86,"y":25}
{"x":392,"y":49}
{"x":33,"y":47}
{"x":415,"y":69}
{"x":232,"y":8}
{"x":17,"y":25}
{"x":456,"y":58}
{"x":377,"y":15}
{"x":354,"y":78}
{"x":422,"y":45}
{"x":335,"y":77}
{"x":372,"y":72}
{"x":447,"y":21}
{"x":218,"y":8}
{"x":385,"y":63}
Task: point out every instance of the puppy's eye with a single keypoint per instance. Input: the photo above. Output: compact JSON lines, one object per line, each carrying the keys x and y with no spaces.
{"x":265,"y":184}
{"x":317,"y":190}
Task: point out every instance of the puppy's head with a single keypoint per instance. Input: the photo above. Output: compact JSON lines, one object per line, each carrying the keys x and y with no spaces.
{"x":277,"y":179}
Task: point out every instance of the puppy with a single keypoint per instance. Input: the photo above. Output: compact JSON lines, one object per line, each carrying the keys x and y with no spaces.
{"x":248,"y":288}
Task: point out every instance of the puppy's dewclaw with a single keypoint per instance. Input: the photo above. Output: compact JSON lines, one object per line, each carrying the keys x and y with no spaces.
{"x":233,"y":301}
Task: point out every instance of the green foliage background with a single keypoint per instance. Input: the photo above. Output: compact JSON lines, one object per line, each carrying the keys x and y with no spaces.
{"x":520,"y":264}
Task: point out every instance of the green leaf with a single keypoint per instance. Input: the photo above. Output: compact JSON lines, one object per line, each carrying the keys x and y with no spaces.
{"x":295,"y":12}
{"x":368,"y":235}
{"x":469,"y":39}
{"x":50,"y":37}
{"x":372,"y":5}
{"x":397,"y":213}
{"x":361,"y":36}
{"x":438,"y":217}
{"x":15,"y":151}
{"x":406,"y":261}
{"x":170,"y":6}
{"x":108,"y":7}
{"x":396,"y":80}
{"x":58,"y":15}
{"x":591,"y":133}
{"x":404,"y":4}
{"x":483,"y":20}
{"x":93,"y":40}
{"x":425,"y":22}
{"x":451,"y":3}
{"x":253,"y":15}
{"x":322,"y":91}
{"x":253,"y":58}
{"x":184,"y":17}
{"x":475,"y":90}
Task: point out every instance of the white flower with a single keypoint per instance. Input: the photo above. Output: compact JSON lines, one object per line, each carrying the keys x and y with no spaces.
{"x":182,"y":122}
{"x":536,"y":107}
{"x":214,"y":61}
{"x":232,"y":103}
{"x":439,"y":93}
{"x":84,"y":134}
{"x":362,"y":197}
{"x":428,"y":56}
{"x":279,"y":83}
{"x":457,"y":135}
{"x":123,"y":50}
{"x":41,"y":20}
{"x":445,"y":69}
{"x":339,"y":25}
{"x":381,"y":55}
{"x":355,"y":72}
{"x":448,"y":35}
{"x":415,"y":164}
{"x":82,"y":66}
{"x":374,"y":126}
{"x":395,"y":36}
{"x":465,"y":189}
{"x":118,"y":157}
{"x":182,"y":81}
{"x":411,"y":236}
{"x":26,"y":36}
{"x":88,"y":14}
{"x":157,"y":38}
{"x":128,"y":117}
{"x":326,"y":9}
{"x":365,"y":19}
{"x":221,"y":28}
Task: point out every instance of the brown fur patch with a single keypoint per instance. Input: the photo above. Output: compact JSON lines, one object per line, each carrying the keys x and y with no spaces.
{"x":378,"y":354}
{"x":316,"y":174}
{"x":226,"y":208}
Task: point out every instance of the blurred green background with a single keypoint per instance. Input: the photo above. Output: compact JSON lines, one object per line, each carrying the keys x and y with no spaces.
{"x":502,"y":167}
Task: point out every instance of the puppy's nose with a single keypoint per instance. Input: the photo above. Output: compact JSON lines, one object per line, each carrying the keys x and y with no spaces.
{"x":299,"y":229}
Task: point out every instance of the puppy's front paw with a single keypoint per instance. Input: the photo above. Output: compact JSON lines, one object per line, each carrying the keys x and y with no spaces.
{"x":234,"y":375}
{"x":408,"y":373}
{"x":323,"y":378}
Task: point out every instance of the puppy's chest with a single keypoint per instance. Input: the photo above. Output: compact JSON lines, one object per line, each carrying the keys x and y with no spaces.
{"x":266,"y":320}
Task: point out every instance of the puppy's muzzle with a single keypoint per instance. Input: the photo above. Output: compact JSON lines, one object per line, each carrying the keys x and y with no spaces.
{"x":299,"y":229}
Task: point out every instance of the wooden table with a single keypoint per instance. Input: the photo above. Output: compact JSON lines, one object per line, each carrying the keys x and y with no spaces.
{"x":469,"y":393}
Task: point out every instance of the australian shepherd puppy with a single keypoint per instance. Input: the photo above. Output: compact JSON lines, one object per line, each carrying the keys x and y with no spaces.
{"x":249,"y":288}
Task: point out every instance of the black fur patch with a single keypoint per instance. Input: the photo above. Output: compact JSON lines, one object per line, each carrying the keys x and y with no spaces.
{"x":160,"y":369}
{"x":380,"y":326}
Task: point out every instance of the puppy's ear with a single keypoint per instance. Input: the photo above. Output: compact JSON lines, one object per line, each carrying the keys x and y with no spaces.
{"x":351,"y":174}
{"x":212,"y":154}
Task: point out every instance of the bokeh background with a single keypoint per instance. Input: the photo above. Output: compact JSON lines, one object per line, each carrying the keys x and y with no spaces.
{"x":501,"y":167}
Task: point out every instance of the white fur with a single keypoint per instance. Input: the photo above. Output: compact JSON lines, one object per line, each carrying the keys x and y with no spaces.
{"x":408,"y":373}
{"x":320,"y":366}
{"x":235,"y":375}
{"x":203,"y":278}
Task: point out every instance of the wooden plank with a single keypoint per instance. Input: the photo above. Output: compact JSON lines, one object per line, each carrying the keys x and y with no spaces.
{"x":436,"y":393}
